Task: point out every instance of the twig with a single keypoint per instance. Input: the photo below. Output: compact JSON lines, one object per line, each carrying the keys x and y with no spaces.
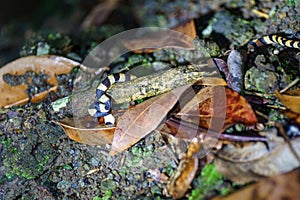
{"x":294,"y":82}
{"x":287,"y":139}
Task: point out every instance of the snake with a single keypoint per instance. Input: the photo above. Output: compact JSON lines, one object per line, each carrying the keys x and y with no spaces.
{"x":102,"y":107}
{"x":274,"y":39}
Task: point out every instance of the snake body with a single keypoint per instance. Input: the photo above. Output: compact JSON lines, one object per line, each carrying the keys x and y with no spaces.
{"x":274,"y":39}
{"x":102,"y":107}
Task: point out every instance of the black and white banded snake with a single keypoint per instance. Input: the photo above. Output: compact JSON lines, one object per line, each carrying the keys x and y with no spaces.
{"x":102,"y":107}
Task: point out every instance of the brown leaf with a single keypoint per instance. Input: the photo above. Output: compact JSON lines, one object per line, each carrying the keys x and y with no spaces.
{"x":99,"y":14}
{"x":139,"y":121}
{"x":48,"y":64}
{"x":188,"y":28}
{"x":246,"y":162}
{"x":181,"y":37}
{"x":181,"y":179}
{"x":86,"y":131}
{"x":290,"y":100}
{"x":284,"y":186}
{"x":235,"y":68}
{"x":212,"y":103}
{"x":292,"y":116}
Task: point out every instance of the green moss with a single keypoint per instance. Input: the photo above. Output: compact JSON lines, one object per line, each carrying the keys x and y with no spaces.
{"x":169,"y":170}
{"x":107,"y":196}
{"x":209,"y":180}
{"x":67,"y":167}
{"x":293,"y":3}
{"x":13,"y":167}
{"x":6,"y":142}
{"x":42,"y":163}
{"x":16,"y":164}
{"x":108,"y":185}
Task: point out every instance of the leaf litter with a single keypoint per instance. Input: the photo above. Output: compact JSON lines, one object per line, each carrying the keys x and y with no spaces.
{"x":257,"y":172}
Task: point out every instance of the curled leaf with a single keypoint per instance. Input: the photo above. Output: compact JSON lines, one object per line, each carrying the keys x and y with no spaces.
{"x":99,"y":13}
{"x":284,"y":186}
{"x":290,"y":100}
{"x":245,"y":162}
{"x":213,"y":103}
{"x":49,"y":65}
{"x":181,"y":37}
{"x":235,"y":68}
{"x":139,"y":121}
{"x":186,"y":171}
{"x":86,"y":131}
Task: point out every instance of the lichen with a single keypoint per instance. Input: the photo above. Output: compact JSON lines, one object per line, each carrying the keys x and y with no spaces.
{"x":261,"y":80}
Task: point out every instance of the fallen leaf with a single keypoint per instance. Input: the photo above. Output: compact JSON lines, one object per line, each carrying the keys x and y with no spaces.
{"x":246,"y":162}
{"x":235,"y":68}
{"x":188,"y":28}
{"x":83,"y":130}
{"x":49,"y":65}
{"x":292,"y":116}
{"x":188,"y":131}
{"x":140,"y":120}
{"x":291,"y":99}
{"x":180,"y":180}
{"x":99,"y":13}
{"x":284,"y":186}
{"x":182,"y":36}
{"x":218,"y":105}
{"x":221,"y":65}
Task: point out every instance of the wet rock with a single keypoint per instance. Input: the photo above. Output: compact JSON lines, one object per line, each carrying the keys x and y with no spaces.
{"x":237,"y":30}
{"x":261,"y":80}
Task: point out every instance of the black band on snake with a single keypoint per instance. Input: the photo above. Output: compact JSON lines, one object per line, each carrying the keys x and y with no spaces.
{"x":102,"y":107}
{"x":274,"y":39}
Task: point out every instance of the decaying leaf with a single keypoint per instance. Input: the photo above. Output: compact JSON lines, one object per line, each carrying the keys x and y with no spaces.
{"x":213,"y":103}
{"x":188,"y":28}
{"x":246,"y":162}
{"x":49,"y":65}
{"x":180,"y":180}
{"x":181,"y":37}
{"x":86,"y":131}
{"x":188,"y":131}
{"x":284,"y":186}
{"x":235,"y":67}
{"x":99,"y":14}
{"x":292,"y":116}
{"x":139,"y":121}
{"x":291,"y":99}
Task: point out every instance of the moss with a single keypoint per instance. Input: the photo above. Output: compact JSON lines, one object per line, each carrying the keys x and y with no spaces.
{"x":26,"y":167}
{"x":6,"y":142}
{"x":208,"y":181}
{"x":261,"y":80}
{"x":107,"y":196}
{"x":108,"y":185}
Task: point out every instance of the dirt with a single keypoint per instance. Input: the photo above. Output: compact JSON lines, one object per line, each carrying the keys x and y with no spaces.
{"x":39,"y":161}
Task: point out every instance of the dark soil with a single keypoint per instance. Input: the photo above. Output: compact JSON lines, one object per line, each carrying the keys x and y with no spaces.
{"x":39,"y":161}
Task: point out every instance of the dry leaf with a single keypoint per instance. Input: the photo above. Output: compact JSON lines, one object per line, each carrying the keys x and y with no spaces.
{"x":292,"y":116}
{"x":48,"y":64}
{"x":188,"y":28}
{"x":99,"y":14}
{"x":246,"y":162}
{"x":180,"y":180}
{"x":284,"y":186}
{"x":235,"y":68}
{"x":87,"y":132}
{"x":188,"y":131}
{"x":212,"y":103}
{"x":139,"y":121}
{"x":181,"y":37}
{"x":290,"y":100}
